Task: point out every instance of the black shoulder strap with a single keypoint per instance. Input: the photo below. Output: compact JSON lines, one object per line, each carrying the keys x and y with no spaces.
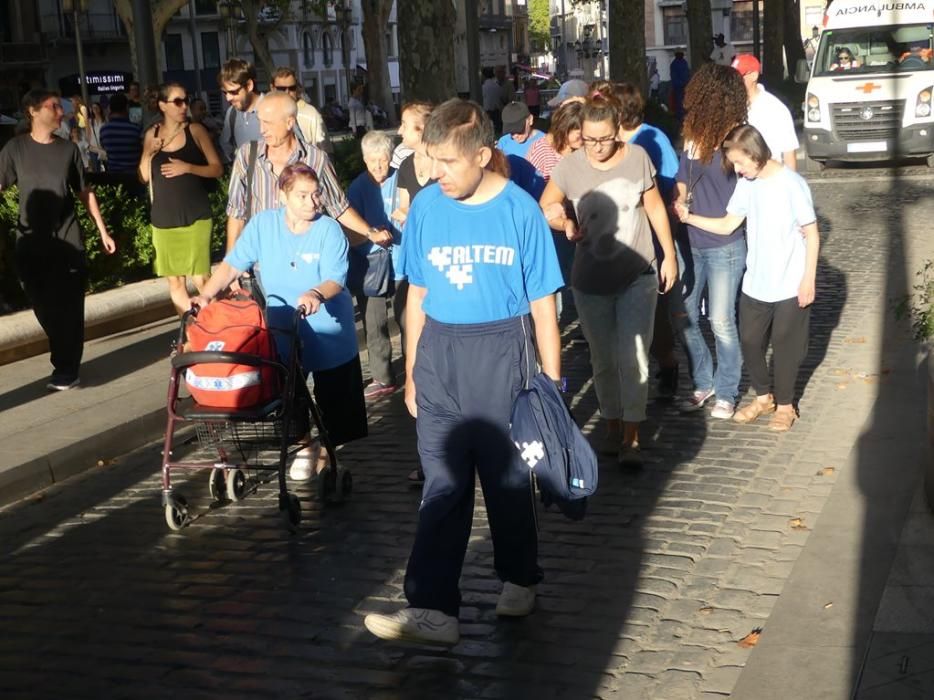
{"x":250,"y":167}
{"x":231,"y":127}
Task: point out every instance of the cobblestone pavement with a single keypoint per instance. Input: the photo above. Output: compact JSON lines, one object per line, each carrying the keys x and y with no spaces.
{"x":647,"y":597}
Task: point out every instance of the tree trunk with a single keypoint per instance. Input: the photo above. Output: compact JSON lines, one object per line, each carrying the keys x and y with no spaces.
{"x":626,"y":24}
{"x":426,"y":49}
{"x":375,"y":20}
{"x":794,"y":45}
{"x":699,"y":31}
{"x":259,"y":40}
{"x":773,"y":68}
{"x":162,"y":12}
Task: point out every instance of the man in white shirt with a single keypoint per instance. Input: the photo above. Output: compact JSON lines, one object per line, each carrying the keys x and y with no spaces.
{"x":768,"y":114}
{"x":723,"y":51}
{"x":308,"y":119}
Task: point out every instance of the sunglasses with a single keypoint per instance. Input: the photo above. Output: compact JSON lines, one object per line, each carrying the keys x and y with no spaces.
{"x":286,"y":88}
{"x":178,"y":101}
{"x":232,"y":92}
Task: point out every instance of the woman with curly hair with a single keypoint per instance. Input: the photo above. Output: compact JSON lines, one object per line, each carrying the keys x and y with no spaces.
{"x":715,"y":103}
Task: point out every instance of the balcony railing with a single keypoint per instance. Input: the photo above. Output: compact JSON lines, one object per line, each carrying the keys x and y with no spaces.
{"x":101,"y":26}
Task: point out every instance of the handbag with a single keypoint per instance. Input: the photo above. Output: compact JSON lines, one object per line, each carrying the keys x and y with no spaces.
{"x":370,"y":274}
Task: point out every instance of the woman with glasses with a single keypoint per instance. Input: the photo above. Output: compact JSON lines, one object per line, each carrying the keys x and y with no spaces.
{"x":611,"y":185}
{"x":178,"y":160}
{"x":303,"y":255}
{"x":844,"y":60}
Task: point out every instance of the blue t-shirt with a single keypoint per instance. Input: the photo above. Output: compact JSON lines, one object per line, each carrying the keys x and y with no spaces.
{"x":292,"y":264}
{"x":479,"y":262}
{"x":711,"y":188}
{"x":662,"y":155}
{"x":508,"y":145}
{"x":375,"y":203}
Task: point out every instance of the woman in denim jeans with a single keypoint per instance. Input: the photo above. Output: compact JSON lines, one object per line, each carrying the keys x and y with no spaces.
{"x":612,"y":187}
{"x":715,"y":101}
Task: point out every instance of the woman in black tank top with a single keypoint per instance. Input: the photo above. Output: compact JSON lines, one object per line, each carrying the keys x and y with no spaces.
{"x":179,"y":160}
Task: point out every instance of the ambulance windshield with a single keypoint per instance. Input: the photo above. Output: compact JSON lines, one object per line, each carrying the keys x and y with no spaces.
{"x":875,"y":50}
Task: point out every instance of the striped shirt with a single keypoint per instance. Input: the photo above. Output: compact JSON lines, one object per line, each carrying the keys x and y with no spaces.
{"x":544,"y":157}
{"x":266,"y":182}
{"x":123,"y":141}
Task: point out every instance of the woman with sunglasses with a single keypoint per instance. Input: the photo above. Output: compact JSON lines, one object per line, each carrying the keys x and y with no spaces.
{"x":178,"y":160}
{"x":612,"y":188}
{"x":844,"y":60}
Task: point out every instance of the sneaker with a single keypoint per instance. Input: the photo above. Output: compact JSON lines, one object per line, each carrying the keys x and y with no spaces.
{"x":304,"y":463}
{"x":377,"y":390}
{"x":62,"y":384}
{"x":697,"y":400}
{"x":515,"y":601}
{"x":667,"y":386}
{"x":418,"y":625}
{"x":417,"y":477}
{"x":723,"y":409}
{"x":630,"y":456}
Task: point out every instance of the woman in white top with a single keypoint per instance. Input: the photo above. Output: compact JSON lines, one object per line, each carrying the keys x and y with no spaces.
{"x":781,"y":266}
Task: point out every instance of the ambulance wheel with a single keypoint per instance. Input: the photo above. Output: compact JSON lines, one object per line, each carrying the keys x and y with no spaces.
{"x":819,"y":165}
{"x":176,"y":512}
{"x":292,"y":513}
{"x":218,"y":486}
{"x":236,"y":484}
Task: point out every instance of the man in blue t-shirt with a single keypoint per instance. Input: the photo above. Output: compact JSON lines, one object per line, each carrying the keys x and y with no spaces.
{"x":480,"y":260}
{"x":518,"y":136}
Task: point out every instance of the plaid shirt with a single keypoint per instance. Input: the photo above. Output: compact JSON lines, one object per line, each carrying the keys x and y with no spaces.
{"x":266,"y":183}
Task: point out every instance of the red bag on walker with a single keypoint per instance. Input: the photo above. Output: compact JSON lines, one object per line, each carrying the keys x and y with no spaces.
{"x":231,"y":325}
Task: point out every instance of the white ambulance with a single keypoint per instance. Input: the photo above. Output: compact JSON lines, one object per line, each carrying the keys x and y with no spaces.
{"x":870,"y":86}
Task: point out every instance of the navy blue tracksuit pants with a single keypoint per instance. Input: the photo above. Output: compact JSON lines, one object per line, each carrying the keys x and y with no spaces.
{"x":467,"y":378}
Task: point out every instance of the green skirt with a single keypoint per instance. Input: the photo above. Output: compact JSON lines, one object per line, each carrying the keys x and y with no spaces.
{"x":183,"y":251}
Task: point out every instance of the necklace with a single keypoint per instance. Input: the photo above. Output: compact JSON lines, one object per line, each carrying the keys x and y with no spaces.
{"x":298,"y":249}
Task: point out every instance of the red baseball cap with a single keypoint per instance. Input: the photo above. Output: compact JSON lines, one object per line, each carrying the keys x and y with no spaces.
{"x":746,"y":63}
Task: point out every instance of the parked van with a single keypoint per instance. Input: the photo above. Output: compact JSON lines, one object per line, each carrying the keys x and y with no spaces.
{"x":870,"y":86}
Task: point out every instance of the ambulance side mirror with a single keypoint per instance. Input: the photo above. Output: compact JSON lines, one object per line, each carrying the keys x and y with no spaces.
{"x":802,"y":71}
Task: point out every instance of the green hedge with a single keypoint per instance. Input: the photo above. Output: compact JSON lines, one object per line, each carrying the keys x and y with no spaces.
{"x":127,"y":218}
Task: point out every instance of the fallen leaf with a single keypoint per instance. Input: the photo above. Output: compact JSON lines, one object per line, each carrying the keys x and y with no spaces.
{"x":705,"y":611}
{"x":855,"y":341}
{"x":841,"y":385}
{"x":797,"y":524}
{"x":826,"y":471}
{"x":751,"y":639}
{"x":829,"y":605}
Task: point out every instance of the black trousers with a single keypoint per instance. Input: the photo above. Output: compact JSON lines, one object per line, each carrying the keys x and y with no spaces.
{"x":467,"y":378}
{"x":53,"y":275}
{"x":786,"y":326}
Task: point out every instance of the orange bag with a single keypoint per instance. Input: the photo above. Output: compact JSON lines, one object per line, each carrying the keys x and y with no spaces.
{"x":231,"y":325}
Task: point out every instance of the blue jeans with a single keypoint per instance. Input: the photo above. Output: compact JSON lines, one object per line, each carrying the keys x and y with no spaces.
{"x":720,"y":271}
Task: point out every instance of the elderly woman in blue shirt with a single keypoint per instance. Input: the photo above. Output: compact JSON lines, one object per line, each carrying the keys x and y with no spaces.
{"x":303,"y":258}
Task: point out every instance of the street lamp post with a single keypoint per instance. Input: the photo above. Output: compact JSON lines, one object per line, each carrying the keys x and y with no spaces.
{"x":75,"y":7}
{"x":229,"y":11}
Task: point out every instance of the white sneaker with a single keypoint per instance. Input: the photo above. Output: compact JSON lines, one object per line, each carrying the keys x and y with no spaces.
{"x":515,"y":601}
{"x":305,"y":462}
{"x":418,"y":625}
{"x":723,"y":409}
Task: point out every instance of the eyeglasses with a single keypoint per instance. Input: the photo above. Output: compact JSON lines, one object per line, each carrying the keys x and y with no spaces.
{"x":232,"y":92}
{"x":590,"y":141}
{"x":286,"y":88}
{"x":846,"y":58}
{"x":178,"y":101}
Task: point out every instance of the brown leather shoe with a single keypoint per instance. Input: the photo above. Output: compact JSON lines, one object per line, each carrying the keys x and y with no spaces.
{"x":782,"y":421}
{"x":752,"y":410}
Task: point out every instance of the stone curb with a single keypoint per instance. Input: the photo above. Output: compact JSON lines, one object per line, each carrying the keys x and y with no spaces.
{"x":105,"y":313}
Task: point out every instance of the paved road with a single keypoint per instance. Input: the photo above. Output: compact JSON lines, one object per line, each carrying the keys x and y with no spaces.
{"x":647,"y":597}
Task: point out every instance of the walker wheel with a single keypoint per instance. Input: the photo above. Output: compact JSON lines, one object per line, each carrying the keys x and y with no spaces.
{"x":344,"y":485}
{"x":292,"y":513}
{"x":176,"y":512}
{"x":217,"y":485}
{"x":236,"y":484}
{"x":323,"y":484}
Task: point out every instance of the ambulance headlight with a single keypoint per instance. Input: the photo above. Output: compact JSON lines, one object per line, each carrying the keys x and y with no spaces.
{"x":813,"y":111}
{"x":923,"y":105}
